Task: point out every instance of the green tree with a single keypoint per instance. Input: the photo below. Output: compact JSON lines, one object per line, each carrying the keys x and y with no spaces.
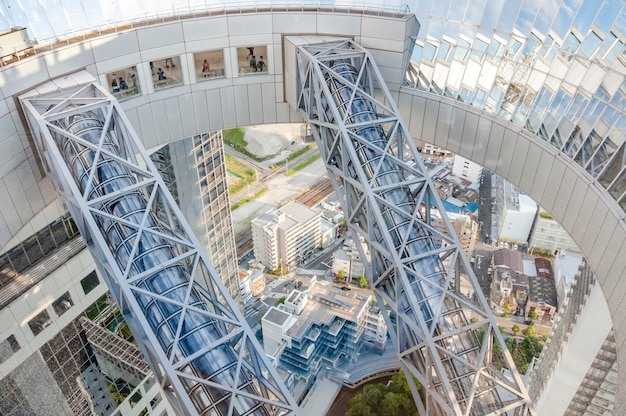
{"x":530,"y":331}
{"x":378,"y":399}
{"x":507,"y":310}
{"x":281,"y":300}
{"x":515,"y":329}
{"x":362,"y":281}
{"x":533,"y":315}
{"x":341,"y":275}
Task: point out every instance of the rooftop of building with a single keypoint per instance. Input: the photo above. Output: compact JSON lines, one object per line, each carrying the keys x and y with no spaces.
{"x":286,"y":217}
{"x":326,"y":302}
{"x":276,"y":316}
{"x":508,"y":258}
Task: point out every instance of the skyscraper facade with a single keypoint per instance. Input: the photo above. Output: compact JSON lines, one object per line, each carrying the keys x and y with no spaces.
{"x":532,"y":90}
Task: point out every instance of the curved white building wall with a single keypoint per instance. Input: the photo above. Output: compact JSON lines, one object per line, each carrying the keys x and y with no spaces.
{"x":563,"y":188}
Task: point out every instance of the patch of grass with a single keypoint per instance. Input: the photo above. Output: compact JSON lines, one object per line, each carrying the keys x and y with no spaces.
{"x":292,"y":156}
{"x":234,"y":137}
{"x":247,"y":199}
{"x":303,"y":165}
{"x":245,"y":173}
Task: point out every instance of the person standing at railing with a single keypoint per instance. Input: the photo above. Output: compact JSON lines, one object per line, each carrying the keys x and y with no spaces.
{"x":205,"y":68}
{"x":161,"y":74}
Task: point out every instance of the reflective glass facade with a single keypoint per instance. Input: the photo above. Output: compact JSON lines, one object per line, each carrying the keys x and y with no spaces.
{"x":556,"y":68}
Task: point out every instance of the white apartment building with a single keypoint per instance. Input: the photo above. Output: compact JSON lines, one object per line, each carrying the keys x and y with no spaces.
{"x":547,"y":234}
{"x":466,"y":169}
{"x":348,"y":259}
{"x":286,"y":235}
{"x":516,"y":213}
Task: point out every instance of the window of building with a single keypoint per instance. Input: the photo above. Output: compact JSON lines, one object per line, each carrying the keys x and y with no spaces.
{"x":570,"y":46}
{"x":62,"y":304}
{"x":8,"y":347}
{"x":209,"y":64}
{"x":124,"y":83}
{"x":252,"y":59}
{"x":90,"y":282}
{"x":590,"y":45}
{"x":40,"y":322}
{"x":166,"y":73}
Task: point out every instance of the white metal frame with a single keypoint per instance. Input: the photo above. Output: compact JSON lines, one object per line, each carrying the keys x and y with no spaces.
{"x":445,"y":339}
{"x":254,"y":385}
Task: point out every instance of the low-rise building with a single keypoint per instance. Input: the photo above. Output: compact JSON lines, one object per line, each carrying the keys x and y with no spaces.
{"x":286,"y":235}
{"x":321,"y":325}
{"x":466,"y":169}
{"x":348,"y":259}
{"x":245,"y":286}
{"x":547,"y":234}
{"x":565,"y":267}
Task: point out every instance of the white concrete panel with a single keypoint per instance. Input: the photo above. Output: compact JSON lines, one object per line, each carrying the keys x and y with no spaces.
{"x":553,"y":184}
{"x":249,"y":24}
{"x":583,"y":218}
{"x":203,"y":29}
{"x":563,"y":193}
{"x":496,"y":136}
{"x":613,"y":251}
{"x":255,"y":104}
{"x":482,"y":140}
{"x":602,"y":244}
{"x":241,"y":105}
{"x":18,"y":76}
{"x":68,"y":59}
{"x":279,"y":90}
{"x":4,"y":231}
{"x":575,"y":201}
{"x":112,"y":46}
{"x":174,"y":122}
{"x":593,"y":225}
{"x":186,"y":105}
{"x":274,"y":60}
{"x":158,"y":36}
{"x":455,"y":135}
{"x":4,"y":107}
{"x":12,"y":152}
{"x":518,"y":162}
{"x":227,"y":98}
{"x":160,"y":121}
{"x":168,"y":51}
{"x":382,"y":28}
{"x":133,"y":118}
{"x":429,"y":125}
{"x":615,"y":298}
{"x":8,"y":211}
{"x":207,"y":44}
{"x":214,"y":106}
{"x":469,"y":135}
{"x":282,"y":113}
{"x":338,"y":24}
{"x":541,"y":174}
{"x":243,"y":41}
{"x":393,"y":77}
{"x":416,"y":124}
{"x":119,"y":62}
{"x":148,"y":134}
{"x":396,"y":45}
{"x":27,"y":181}
{"x":268,"y":94}
{"x":507,"y":151}
{"x":404,"y":106}
{"x":387,"y":58}
{"x":443,"y":125}
{"x":294,"y":23}
{"x":18,"y":195}
{"x":530,"y":167}
{"x":48,"y":190}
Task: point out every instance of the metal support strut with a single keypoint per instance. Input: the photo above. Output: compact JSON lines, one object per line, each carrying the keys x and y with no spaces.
{"x":447,"y":341}
{"x":192,"y":334}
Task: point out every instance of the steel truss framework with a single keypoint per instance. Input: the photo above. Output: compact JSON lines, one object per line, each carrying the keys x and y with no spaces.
{"x":194,"y":337}
{"x":450,"y":343}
